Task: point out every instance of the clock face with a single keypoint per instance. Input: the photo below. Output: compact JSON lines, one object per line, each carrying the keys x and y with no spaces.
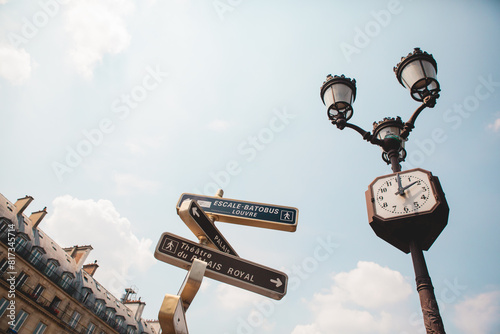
{"x":403,"y":193}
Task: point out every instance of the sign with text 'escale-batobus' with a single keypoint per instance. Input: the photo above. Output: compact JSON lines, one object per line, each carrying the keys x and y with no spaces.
{"x":227,"y":210}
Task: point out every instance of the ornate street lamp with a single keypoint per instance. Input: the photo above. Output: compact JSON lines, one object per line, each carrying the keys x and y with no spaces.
{"x":417,"y":72}
{"x":338,"y":94}
{"x":407,"y":209}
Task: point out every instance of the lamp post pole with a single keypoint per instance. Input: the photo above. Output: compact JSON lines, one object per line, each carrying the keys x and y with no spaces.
{"x":416,"y":72}
{"x":430,"y":310}
{"x":432,"y":318}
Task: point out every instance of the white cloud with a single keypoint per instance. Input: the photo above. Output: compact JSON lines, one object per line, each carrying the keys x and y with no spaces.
{"x":306,"y":329}
{"x":232,"y":298}
{"x":495,"y":126}
{"x":479,"y":314}
{"x":3,"y":2}
{"x":142,"y":145}
{"x":15,"y":64}
{"x":205,"y":285}
{"x":120,"y":253}
{"x":367,"y":285}
{"x":218,"y":125}
{"x":366,"y":299}
{"x":127,"y":184}
{"x":96,"y":27}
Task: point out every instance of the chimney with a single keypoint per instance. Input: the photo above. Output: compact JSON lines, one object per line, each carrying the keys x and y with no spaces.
{"x":36,"y":217}
{"x":128,"y":292}
{"x":22,"y":203}
{"x":136,"y":306}
{"x":79,"y":253}
{"x":91,"y":268}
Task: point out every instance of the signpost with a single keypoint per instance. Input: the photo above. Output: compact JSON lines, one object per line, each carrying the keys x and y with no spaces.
{"x":214,"y":257}
{"x":172,"y":315}
{"x":269,"y":216}
{"x":198,"y":222}
{"x":221,"y":266}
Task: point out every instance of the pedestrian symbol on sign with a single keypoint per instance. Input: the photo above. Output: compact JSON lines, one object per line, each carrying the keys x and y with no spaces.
{"x":170,"y":245}
{"x":286,"y":215}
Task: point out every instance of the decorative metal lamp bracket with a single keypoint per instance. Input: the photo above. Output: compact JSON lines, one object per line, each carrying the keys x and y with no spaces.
{"x":388,"y":145}
{"x":429,"y":101}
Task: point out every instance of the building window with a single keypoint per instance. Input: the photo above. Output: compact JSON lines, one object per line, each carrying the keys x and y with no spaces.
{"x":110,"y":313}
{"x":119,"y":321}
{"x":99,"y":306}
{"x":51,"y":267}
{"x":74,"y":319}
{"x":21,"y":279}
{"x":66,"y":280}
{"x":54,"y":305}
{"x":3,"y":225}
{"x":37,"y":292}
{"x":131,"y":330}
{"x":85,"y":294}
{"x":90,"y":329}
{"x":36,"y":255}
{"x":20,"y":242}
{"x":20,"y":319}
{"x":40,"y":328}
{"x":3,"y":305}
{"x":3,"y":265}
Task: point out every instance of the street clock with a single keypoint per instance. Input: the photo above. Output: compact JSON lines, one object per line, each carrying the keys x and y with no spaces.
{"x":407,"y":206}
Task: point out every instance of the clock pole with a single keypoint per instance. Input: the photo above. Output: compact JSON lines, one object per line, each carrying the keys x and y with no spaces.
{"x":430,"y":310}
{"x":432,"y":319}
{"x":411,"y":229}
{"x":394,"y":160}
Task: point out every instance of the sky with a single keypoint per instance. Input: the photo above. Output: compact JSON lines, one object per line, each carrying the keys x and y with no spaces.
{"x":111,"y":109}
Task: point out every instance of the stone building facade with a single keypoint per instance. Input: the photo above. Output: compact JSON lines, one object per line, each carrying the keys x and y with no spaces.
{"x":47,"y":289}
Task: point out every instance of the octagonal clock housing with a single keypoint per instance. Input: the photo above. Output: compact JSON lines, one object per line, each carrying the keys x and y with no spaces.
{"x":405,"y":206}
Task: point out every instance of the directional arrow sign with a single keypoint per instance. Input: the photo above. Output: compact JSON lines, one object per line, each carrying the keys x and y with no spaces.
{"x":221,"y":266}
{"x":198,"y":222}
{"x":270,"y":216}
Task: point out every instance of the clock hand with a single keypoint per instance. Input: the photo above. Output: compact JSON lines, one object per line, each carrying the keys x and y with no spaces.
{"x":400,"y":187}
{"x":401,"y":191}
{"x":408,"y":186}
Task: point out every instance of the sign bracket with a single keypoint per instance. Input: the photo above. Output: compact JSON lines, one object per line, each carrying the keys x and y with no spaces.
{"x":172,"y":315}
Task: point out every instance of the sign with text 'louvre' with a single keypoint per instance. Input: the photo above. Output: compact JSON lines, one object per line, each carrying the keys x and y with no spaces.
{"x":269,"y":216}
